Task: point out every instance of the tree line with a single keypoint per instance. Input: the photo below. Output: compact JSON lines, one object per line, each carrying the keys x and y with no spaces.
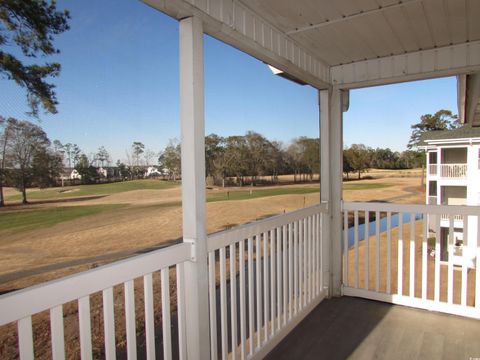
{"x":28,"y":158}
{"x":358,"y":158}
{"x":243,"y":159}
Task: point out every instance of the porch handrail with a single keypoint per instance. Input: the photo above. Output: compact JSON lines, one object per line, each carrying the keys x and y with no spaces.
{"x":270,"y":276}
{"x":230,"y":236}
{"x":417,"y":250}
{"x":26,"y":302}
{"x":453,"y":170}
{"x":455,"y":217}
{"x":20,"y":306}
{"x":413,"y":208}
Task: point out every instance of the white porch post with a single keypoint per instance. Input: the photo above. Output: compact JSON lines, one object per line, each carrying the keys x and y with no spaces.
{"x":193,"y":186}
{"x":331,"y":157}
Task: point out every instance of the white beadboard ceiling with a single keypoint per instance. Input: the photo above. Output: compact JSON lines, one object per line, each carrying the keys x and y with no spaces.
{"x":345,"y":31}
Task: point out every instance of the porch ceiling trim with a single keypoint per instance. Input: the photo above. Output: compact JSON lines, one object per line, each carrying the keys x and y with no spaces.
{"x":237,"y":25}
{"x":444,"y":61}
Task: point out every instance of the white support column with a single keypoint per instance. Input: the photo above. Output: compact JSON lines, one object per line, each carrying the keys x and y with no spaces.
{"x":439,"y":177}
{"x":193,"y":187}
{"x":324,"y":104}
{"x":331,"y":119}
{"x":427,"y":182}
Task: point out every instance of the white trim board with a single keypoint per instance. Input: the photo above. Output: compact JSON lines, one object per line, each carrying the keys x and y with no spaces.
{"x":426,"y":64}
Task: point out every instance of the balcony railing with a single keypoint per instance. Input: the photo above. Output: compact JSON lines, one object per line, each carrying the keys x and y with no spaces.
{"x":454,"y":217}
{"x":263,"y":278}
{"x":105,"y":285}
{"x":393,"y":258}
{"x":432,"y":169}
{"x":453,"y":170}
{"x":275,"y":266}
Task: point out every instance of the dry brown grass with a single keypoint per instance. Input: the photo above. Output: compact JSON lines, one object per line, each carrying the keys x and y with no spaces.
{"x":142,"y":225}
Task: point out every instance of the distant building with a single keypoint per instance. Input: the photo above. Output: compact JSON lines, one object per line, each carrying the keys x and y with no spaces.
{"x":102,"y":172}
{"x":70,"y":174}
{"x":152,"y":171}
{"x":74,"y":175}
{"x":453,"y":178}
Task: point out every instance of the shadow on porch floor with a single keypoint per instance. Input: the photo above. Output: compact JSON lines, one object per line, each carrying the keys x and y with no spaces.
{"x":356,"y":328}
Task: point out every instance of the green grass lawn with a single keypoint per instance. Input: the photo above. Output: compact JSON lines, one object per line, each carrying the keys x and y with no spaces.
{"x":24,"y":220}
{"x":97,"y":189}
{"x":287,"y":190}
{"x":258,"y":193}
{"x":365,"y":186}
{"x":112,"y":188}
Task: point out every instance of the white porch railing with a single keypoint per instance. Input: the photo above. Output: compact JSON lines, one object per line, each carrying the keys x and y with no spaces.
{"x":269,"y":276}
{"x":275,"y":279}
{"x":399,"y":258}
{"x":92,"y":288}
{"x":453,"y":170}
{"x":456,"y":218}
{"x":263,"y":279}
{"x":432,"y":169}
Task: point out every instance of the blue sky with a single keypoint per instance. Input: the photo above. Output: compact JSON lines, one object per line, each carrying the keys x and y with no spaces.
{"x":119,"y":84}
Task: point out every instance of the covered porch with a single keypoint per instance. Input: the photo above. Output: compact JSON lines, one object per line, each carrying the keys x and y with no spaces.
{"x":284,"y":286}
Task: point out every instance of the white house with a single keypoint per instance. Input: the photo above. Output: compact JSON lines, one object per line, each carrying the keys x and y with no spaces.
{"x":453,"y":178}
{"x":102,"y":172}
{"x":152,"y":171}
{"x":74,"y":175}
{"x":453,"y":173}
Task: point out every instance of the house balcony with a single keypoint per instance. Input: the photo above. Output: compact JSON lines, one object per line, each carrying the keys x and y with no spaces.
{"x":432,"y":169}
{"x":453,"y":171}
{"x":262,"y":279}
{"x":458,"y":219}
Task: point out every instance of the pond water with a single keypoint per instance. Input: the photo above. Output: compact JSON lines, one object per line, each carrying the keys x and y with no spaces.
{"x":372,"y":225}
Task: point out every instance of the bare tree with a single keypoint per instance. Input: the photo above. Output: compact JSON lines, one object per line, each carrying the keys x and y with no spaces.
{"x":27,"y":140}
{"x":137,"y":150}
{"x":149,"y":155}
{"x":103,"y":155}
{"x":129,"y":162}
{"x":170,"y":159}
{"x":4,"y":139}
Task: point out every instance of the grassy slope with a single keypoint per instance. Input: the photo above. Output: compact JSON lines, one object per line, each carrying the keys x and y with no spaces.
{"x":25,"y":220}
{"x":33,"y":219}
{"x":286,"y":190}
{"x":98,"y":189}
{"x":365,"y":186}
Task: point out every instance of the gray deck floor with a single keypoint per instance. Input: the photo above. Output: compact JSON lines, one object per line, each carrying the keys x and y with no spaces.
{"x":356,"y":328}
